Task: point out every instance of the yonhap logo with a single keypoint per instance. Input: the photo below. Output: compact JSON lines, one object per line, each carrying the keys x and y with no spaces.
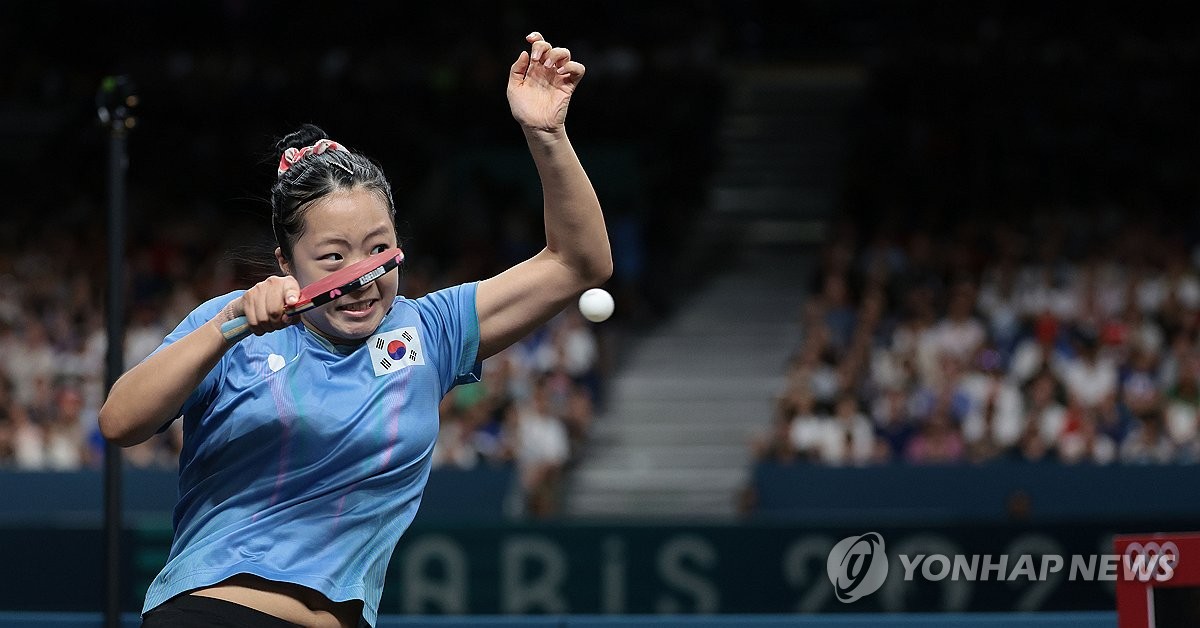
{"x":857,"y":566}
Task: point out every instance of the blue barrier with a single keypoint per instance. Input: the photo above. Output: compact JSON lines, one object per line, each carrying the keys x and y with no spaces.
{"x":816,"y":495}
{"x":995,"y":492}
{"x":974,"y":620}
{"x":478,"y":494}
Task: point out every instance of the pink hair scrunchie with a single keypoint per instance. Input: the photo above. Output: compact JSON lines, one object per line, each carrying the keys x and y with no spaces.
{"x":292,"y":155}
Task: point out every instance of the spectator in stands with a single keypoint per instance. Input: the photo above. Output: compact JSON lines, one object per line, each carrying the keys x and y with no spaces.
{"x":1032,"y":446}
{"x":1148,"y":442}
{"x":571,"y":347}
{"x":40,"y":401}
{"x":945,"y":392}
{"x":7,"y":441}
{"x":998,"y":303}
{"x":938,"y":441}
{"x":1045,"y":416}
{"x":37,"y":361}
{"x":455,"y":445}
{"x":995,"y":417}
{"x":1182,"y":402}
{"x":1038,"y":349}
{"x":64,"y":433}
{"x":29,"y":443}
{"x":1089,"y":376}
{"x":793,"y":408}
{"x":578,"y":416}
{"x":1139,"y":388}
{"x":8,"y":423}
{"x":839,"y":311}
{"x":959,"y":334}
{"x":893,"y":426}
{"x":542,"y":447}
{"x":775,"y":446}
{"x":797,"y":427}
{"x":159,"y":452}
{"x":1082,"y":440}
{"x":847,"y":438}
{"x":914,"y":340}
{"x":144,"y":334}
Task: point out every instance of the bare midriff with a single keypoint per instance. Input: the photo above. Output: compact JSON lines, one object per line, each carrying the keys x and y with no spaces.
{"x":289,"y":602}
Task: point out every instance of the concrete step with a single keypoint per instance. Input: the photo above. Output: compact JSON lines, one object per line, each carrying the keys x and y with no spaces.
{"x":771,"y":98}
{"x":675,"y":386}
{"x":798,"y":201}
{"x":681,"y":455}
{"x":782,"y":155}
{"x":632,"y":430}
{"x":690,"y":355}
{"x":752,"y":169}
{"x":825,"y":128}
{"x":657,"y":504}
{"x":726,"y":294}
{"x":717,"y":410}
{"x":660,"y":434}
{"x":687,"y":351}
{"x":795,"y":88}
{"x":770,"y":231}
{"x":674,"y":440}
{"x":780,"y":164}
{"x":760,"y":172}
{"x":698,"y":478}
{"x":712,"y":317}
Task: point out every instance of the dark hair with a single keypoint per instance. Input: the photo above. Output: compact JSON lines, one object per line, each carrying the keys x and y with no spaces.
{"x":315,"y":176}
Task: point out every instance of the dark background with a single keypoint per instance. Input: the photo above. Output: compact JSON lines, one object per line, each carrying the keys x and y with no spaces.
{"x":975,"y":110}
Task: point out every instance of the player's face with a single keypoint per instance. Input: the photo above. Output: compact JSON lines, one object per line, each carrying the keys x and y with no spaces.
{"x":343,"y":228}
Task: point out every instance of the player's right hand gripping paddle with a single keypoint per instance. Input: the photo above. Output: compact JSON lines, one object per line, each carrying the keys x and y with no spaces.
{"x":332,"y":286}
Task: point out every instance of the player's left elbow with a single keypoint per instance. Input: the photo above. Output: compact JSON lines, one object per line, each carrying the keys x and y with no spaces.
{"x":597,"y":271}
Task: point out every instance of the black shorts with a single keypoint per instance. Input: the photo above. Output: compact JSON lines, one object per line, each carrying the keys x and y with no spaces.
{"x":197,"y":611}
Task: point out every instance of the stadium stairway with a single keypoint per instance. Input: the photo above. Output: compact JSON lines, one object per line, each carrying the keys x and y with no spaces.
{"x":689,"y":395}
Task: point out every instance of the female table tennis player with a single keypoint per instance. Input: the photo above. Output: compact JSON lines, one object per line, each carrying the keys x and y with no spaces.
{"x":307,"y":445}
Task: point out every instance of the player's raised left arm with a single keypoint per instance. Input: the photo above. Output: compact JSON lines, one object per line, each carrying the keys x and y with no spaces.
{"x":577,"y":254}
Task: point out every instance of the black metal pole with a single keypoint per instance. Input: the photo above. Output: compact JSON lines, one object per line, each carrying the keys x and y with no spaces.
{"x":115,"y":101}
{"x":115,"y":363}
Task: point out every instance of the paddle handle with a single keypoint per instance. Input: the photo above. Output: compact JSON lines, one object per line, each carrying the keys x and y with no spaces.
{"x":235,"y":329}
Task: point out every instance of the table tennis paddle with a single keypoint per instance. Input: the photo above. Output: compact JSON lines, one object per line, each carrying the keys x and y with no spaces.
{"x":332,"y":286}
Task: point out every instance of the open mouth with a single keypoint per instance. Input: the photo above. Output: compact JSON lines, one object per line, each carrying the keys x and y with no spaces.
{"x":358,"y":308}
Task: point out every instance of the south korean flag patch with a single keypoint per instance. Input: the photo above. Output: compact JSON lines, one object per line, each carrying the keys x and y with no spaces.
{"x":396,"y":349}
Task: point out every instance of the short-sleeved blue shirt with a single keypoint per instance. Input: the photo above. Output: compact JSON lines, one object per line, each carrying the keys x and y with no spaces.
{"x":304,"y":462}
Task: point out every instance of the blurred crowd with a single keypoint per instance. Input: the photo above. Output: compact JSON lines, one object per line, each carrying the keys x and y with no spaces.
{"x":532,"y":411}
{"x":1016,"y":271}
{"x":217,"y":83}
{"x":1074,"y":340}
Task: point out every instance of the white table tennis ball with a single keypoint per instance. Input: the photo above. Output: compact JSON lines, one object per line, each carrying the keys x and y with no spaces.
{"x":596,"y":304}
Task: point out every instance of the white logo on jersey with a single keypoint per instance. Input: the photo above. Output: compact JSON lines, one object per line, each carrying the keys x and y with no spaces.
{"x":394,"y":350}
{"x":275,"y":362}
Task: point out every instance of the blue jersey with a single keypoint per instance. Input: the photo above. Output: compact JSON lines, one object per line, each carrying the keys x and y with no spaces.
{"x":303,"y":461}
